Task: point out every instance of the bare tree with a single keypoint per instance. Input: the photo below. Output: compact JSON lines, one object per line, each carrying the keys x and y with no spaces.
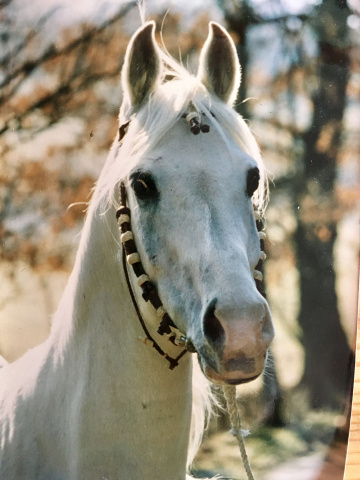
{"x":328,"y":355}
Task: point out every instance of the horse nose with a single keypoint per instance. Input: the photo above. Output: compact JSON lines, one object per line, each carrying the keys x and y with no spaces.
{"x":244,"y":331}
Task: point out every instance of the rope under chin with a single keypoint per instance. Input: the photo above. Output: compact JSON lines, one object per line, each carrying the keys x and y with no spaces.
{"x":236,"y":428}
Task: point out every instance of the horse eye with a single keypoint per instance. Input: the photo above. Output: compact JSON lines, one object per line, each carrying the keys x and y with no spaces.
{"x":143,"y":185}
{"x":252,"y":182}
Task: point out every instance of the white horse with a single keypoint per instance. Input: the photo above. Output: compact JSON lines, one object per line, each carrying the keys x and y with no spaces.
{"x":93,"y":402}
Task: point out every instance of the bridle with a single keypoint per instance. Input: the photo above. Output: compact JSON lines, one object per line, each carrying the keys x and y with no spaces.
{"x":131,"y":257}
{"x":165,"y":325}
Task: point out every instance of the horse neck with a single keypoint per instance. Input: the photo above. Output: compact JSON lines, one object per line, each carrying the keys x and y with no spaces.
{"x":125,"y":385}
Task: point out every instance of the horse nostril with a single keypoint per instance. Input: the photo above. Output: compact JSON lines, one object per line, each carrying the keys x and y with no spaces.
{"x":213,"y":329}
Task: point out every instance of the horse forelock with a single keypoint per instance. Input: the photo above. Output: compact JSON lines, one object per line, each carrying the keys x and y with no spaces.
{"x":164,"y":108}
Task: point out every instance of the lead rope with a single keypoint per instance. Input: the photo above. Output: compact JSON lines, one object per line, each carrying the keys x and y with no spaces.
{"x":236,"y":427}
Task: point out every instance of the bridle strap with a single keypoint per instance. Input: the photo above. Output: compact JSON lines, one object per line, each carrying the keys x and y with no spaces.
{"x":149,"y":292}
{"x":174,"y":362}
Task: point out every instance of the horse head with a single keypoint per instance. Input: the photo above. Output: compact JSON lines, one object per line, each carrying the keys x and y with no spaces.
{"x":192,"y":176}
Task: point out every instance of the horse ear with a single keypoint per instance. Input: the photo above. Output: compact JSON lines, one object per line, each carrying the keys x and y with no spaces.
{"x":219,"y":68}
{"x":142,"y":65}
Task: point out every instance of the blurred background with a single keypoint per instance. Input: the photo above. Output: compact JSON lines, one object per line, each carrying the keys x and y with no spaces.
{"x":59,"y":98}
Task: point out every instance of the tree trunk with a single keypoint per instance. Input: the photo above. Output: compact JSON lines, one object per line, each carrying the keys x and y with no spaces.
{"x":324,"y":340}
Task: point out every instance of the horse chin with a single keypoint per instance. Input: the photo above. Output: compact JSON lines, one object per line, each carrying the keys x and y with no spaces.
{"x":233,"y":379}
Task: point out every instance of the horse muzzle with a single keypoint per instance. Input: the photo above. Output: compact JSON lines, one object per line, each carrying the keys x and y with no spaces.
{"x":236,"y":342}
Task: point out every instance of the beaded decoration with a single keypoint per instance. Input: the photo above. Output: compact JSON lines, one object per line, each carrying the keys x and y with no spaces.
{"x":194,"y":119}
{"x":258,"y":274}
{"x":149,"y":292}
